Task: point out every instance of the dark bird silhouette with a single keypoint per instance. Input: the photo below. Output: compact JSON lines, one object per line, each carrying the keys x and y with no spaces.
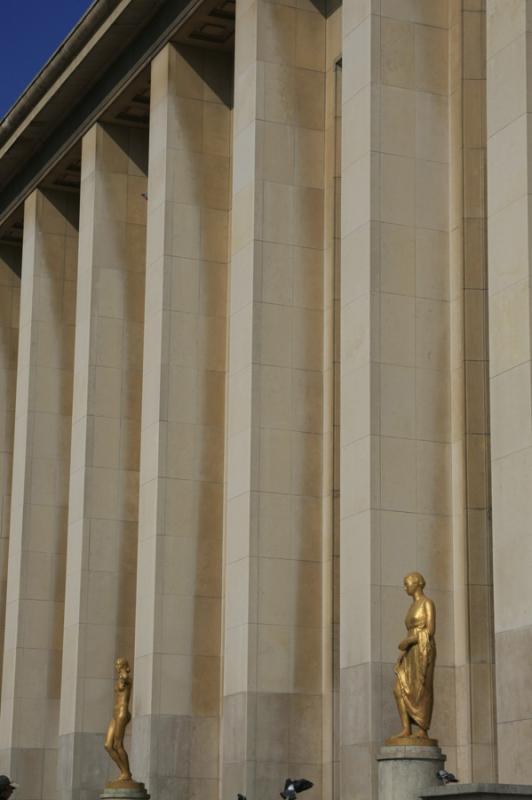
{"x":241,"y":796}
{"x":446,"y":777}
{"x":293,"y":786}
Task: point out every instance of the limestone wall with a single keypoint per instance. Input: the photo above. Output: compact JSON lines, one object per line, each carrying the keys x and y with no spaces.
{"x":252,"y":394}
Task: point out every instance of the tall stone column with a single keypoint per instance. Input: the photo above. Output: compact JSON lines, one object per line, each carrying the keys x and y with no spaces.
{"x":471,"y":478}
{"x":395,"y":431}
{"x":10,"y":263}
{"x":509,"y":53}
{"x":273,"y":614}
{"x":103,"y":502}
{"x":178,"y":627}
{"x":38,"y":527}
{"x":331,"y":407}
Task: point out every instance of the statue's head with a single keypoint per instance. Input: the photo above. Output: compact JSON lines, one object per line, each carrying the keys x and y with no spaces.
{"x":414,"y":581}
{"x":122,"y":664}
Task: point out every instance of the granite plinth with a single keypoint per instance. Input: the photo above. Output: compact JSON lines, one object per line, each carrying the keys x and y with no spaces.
{"x":406,"y":772}
{"x":483,"y":791}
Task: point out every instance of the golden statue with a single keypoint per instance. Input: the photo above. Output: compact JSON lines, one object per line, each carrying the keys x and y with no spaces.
{"x":114,"y":739}
{"x":413,"y":690}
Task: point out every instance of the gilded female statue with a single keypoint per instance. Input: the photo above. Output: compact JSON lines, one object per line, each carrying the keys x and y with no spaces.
{"x":114,"y":740}
{"x":414,"y":669}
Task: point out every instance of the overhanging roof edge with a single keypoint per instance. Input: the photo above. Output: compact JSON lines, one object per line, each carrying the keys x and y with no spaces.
{"x":151,"y":37}
{"x":79,"y":36}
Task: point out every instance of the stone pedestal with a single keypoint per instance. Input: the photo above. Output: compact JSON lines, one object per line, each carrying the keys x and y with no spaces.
{"x":482,"y":791}
{"x":406,"y":772}
{"x":135,"y":791}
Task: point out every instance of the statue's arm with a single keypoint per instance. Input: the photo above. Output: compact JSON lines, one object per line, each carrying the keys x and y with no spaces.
{"x":408,"y":642}
{"x":431,"y":617}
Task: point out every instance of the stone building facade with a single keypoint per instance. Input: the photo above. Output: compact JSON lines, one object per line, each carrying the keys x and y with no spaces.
{"x":248,"y":255}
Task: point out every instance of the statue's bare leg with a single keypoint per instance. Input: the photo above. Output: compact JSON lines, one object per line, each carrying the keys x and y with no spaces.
{"x":122,"y":757}
{"x":403,"y":713}
{"x":109,"y":744}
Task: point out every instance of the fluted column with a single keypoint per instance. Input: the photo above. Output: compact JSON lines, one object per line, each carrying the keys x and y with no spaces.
{"x":103,"y":501}
{"x":178,"y":629}
{"x":10,"y":262}
{"x":38,"y":527}
{"x":273,"y":614}
{"x":509,"y":102}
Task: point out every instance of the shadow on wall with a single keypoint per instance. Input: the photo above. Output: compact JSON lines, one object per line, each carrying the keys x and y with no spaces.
{"x":213,"y":70}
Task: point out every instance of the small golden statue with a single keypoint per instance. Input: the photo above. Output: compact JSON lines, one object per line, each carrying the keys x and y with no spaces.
{"x":413,"y":690}
{"x":114,"y":739}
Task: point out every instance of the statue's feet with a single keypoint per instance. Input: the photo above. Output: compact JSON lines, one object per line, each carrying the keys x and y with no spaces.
{"x":402,"y":734}
{"x":124,"y":776}
{"x":421,"y":734}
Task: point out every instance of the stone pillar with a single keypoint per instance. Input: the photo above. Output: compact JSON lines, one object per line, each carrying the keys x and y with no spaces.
{"x":406,"y":772}
{"x":331,"y":408}
{"x":395,"y":436}
{"x":103,"y":502}
{"x":178,"y":627}
{"x":38,"y":527}
{"x":509,"y":103}
{"x":10,"y":262}
{"x":471,"y":485}
{"x":273,"y":657}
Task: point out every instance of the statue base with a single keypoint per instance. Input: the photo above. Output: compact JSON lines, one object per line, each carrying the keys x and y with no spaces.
{"x":411,"y":741}
{"x":479,"y":791}
{"x":124,"y":790}
{"x":406,"y":771}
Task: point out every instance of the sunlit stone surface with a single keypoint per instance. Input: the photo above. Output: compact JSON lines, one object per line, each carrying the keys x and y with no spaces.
{"x":272,"y":354}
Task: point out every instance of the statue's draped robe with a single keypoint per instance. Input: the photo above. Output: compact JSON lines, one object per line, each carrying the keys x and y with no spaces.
{"x":415,"y":672}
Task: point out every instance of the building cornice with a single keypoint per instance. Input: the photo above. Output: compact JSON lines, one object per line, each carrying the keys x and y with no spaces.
{"x":19,"y":114}
{"x":113,"y":42}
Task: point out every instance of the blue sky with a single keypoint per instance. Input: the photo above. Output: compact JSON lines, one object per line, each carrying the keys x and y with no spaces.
{"x":30,"y":31}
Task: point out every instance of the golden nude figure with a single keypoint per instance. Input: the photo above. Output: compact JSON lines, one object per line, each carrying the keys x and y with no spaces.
{"x":414,"y":670}
{"x":114,"y":739}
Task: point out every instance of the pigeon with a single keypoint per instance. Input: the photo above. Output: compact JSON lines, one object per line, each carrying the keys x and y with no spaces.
{"x":292,"y":787}
{"x":446,"y":777}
